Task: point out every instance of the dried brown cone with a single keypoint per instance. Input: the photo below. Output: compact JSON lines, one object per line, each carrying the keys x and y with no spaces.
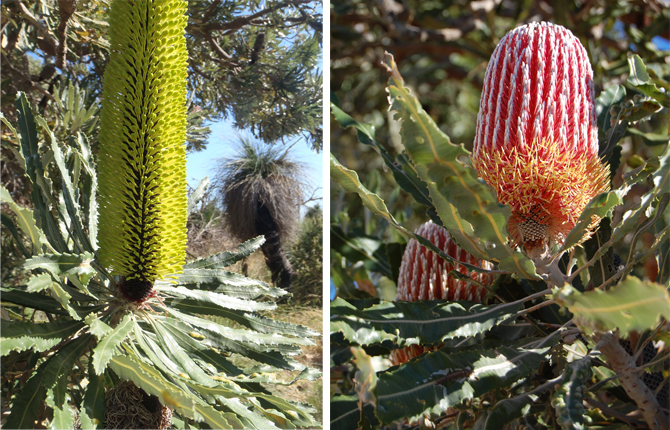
{"x":424,"y":275}
{"x":130,"y":407}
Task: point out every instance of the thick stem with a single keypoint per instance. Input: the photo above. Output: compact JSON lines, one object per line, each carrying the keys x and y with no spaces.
{"x":275,"y":257}
{"x":624,"y":365}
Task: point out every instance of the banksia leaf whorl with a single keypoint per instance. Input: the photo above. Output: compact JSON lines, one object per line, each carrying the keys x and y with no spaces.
{"x":424,"y":275}
{"x":142,"y":158}
{"x":536,"y":141}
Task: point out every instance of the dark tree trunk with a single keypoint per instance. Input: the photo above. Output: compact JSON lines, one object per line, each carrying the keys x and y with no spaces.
{"x":275,"y":258}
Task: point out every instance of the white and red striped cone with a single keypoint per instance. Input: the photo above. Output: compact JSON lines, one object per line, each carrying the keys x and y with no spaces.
{"x":537,"y":140}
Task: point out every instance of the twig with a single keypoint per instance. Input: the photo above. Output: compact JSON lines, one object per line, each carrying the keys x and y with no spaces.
{"x":242,"y":21}
{"x":66,"y":9}
{"x":48,"y":37}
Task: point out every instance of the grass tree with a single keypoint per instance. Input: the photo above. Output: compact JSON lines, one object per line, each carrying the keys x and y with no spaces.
{"x":112,"y":302}
{"x":261,"y":189}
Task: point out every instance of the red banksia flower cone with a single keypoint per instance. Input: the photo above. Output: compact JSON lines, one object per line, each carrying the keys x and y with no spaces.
{"x":537,"y":140}
{"x":424,"y":275}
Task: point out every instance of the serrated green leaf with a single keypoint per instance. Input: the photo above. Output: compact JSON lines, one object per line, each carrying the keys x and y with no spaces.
{"x":26,"y":404}
{"x":265,"y":352}
{"x":25,"y":343}
{"x":249,"y":320}
{"x":98,"y":327}
{"x":420,"y":322}
{"x":640,"y":79}
{"x":174,"y":350}
{"x":63,"y":415}
{"x":423,"y":385}
{"x":28,"y":130}
{"x":228,"y":394}
{"x":631,"y":305}
{"x":227,"y":258}
{"x":64,"y":359}
{"x":22,"y":335}
{"x":39,"y":283}
{"x":218,"y":299}
{"x":130,"y":367}
{"x":107,"y":345}
{"x":63,"y":298}
{"x":94,"y":398}
{"x":404,"y":176}
{"x":348,"y":179}
{"x":370,"y":250}
{"x":154,"y":352}
{"x":468,"y":200}
{"x":221,"y":281}
{"x":59,"y":264}
{"x":68,"y":194}
{"x":34,"y":301}
{"x":18,"y":240}
{"x":26,"y":222}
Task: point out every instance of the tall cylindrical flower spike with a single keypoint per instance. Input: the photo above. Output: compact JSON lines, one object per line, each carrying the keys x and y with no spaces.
{"x":142,"y":158}
{"x":536,"y":141}
{"x":424,"y":275}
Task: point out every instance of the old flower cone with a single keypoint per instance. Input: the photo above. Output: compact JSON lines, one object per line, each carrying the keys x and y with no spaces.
{"x":424,"y":275}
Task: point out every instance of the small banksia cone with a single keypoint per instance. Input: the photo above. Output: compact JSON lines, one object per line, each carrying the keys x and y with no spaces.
{"x":536,"y":141}
{"x":424,"y":275}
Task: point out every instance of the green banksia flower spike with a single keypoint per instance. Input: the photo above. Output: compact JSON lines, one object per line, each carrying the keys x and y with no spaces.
{"x":142,"y":157}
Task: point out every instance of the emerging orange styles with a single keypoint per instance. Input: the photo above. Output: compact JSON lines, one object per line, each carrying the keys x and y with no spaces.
{"x":537,"y":141}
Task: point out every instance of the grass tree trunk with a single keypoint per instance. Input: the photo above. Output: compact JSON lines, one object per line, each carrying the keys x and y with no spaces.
{"x":275,"y":257}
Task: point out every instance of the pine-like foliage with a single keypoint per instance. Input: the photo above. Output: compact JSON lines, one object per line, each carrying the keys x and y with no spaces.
{"x":142,"y":153}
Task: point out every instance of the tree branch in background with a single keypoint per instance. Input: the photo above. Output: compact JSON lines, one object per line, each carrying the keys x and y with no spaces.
{"x":48,"y":43}
{"x":311,"y":198}
{"x":66,"y":9}
{"x":242,"y":21}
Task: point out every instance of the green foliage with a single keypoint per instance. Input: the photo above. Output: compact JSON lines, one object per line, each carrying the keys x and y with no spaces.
{"x":306,"y":256}
{"x":69,"y":322}
{"x":272,"y":88}
{"x":143,"y":159}
{"x":632,"y":305}
{"x":523,"y":334}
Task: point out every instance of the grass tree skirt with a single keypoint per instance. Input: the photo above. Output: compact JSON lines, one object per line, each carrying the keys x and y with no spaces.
{"x":130,"y":407}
